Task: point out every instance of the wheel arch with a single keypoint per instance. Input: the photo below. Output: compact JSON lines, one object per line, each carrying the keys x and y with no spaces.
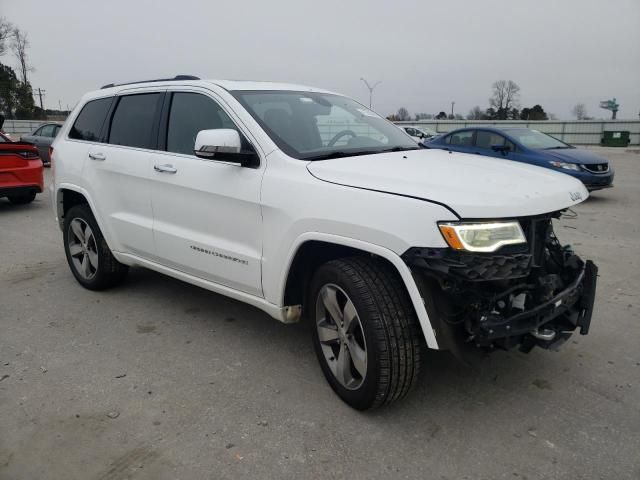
{"x":313,"y":249}
{"x":68,"y":196}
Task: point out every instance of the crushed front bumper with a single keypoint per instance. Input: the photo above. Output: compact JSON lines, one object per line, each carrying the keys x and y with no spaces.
{"x":559,"y":316}
{"x":536,"y":295}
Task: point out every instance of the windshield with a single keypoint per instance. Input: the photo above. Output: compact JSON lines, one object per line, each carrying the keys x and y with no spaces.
{"x":427,"y":131}
{"x":317,"y":126}
{"x":536,"y":140}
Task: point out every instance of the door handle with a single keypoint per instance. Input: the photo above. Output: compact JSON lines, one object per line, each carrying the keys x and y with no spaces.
{"x":166,"y":168}
{"x":97,"y":156}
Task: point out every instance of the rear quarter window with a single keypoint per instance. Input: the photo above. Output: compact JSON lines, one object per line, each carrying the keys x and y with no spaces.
{"x":89,"y":123}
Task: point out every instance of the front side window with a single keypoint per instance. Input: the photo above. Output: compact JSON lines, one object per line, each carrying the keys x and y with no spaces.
{"x":536,"y":140}
{"x":316,"y":126}
{"x":47,"y":131}
{"x":132,"y":124}
{"x":486,"y":140}
{"x":90,"y":120}
{"x":190,"y":113}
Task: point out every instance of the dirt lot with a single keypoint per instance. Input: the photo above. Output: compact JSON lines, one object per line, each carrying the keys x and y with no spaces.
{"x":161,"y":380}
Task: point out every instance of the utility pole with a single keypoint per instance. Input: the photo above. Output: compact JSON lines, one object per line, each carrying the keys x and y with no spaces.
{"x":41,"y":93}
{"x":370,"y":87}
{"x":452,"y":104}
{"x":60,"y":105}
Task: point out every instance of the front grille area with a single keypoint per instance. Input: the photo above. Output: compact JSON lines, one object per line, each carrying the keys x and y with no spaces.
{"x":597,"y":167}
{"x":509,"y":262}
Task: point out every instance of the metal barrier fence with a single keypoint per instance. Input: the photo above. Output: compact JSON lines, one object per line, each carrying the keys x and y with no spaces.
{"x":16,"y":128}
{"x":585,"y":132}
{"x":578,"y":132}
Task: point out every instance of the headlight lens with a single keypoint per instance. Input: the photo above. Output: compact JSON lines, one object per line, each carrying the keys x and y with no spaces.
{"x":564,"y":165}
{"x":482,"y":237}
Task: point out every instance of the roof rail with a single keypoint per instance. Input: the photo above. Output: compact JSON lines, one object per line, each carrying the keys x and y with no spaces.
{"x":177,"y":77}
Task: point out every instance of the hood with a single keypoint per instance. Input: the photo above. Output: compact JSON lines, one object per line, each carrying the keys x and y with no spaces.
{"x":576,"y":155}
{"x":470,"y":185}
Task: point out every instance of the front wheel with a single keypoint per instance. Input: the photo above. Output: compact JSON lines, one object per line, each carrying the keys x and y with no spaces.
{"x":365,"y":331}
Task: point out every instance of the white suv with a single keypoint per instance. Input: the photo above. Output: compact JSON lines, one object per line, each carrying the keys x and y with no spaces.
{"x":305,"y":203}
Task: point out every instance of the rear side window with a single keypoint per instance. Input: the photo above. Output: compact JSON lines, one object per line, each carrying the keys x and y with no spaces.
{"x":133,"y":122}
{"x":460,"y":139}
{"x":89,"y":123}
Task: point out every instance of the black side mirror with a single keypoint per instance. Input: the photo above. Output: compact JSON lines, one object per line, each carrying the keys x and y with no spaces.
{"x":504,"y":149}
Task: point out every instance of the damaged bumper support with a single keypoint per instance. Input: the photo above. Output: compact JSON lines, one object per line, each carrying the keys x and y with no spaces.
{"x":533,"y":295}
{"x":549,"y":323}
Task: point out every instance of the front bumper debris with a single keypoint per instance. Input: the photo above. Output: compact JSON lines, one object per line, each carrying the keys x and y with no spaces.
{"x":535,"y":295}
{"x":569,"y":309}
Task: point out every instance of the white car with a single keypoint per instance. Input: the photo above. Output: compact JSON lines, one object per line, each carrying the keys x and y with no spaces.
{"x":419,"y":134}
{"x":306,"y":204}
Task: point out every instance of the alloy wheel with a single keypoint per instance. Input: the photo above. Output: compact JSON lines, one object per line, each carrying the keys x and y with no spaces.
{"x":341,"y":336}
{"x":82,"y":248}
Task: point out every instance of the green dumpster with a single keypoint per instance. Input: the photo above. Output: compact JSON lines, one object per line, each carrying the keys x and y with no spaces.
{"x":615,"y":138}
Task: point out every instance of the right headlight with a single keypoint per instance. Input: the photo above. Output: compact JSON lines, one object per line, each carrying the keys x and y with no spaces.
{"x":565,"y":165}
{"x":481,"y":236}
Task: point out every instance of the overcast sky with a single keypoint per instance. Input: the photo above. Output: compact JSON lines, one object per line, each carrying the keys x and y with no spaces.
{"x":426,"y":53}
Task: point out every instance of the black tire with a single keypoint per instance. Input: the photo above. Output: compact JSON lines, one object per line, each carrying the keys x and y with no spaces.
{"x":109,"y":272}
{"x":389,"y":326}
{"x":23,"y":198}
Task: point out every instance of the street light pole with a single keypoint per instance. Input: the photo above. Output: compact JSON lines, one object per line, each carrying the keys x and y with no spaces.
{"x":370,"y":87}
{"x":452,"y":104}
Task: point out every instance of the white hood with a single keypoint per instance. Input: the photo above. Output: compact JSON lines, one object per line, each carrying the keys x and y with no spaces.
{"x":473,"y":186}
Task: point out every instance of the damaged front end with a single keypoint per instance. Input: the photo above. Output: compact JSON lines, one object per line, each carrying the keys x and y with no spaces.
{"x":532,"y":294}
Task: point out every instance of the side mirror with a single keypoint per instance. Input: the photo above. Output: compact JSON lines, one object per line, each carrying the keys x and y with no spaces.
{"x":223,"y":144}
{"x":504,"y":149}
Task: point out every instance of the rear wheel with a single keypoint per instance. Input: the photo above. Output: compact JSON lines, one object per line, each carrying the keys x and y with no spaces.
{"x":365,"y":331}
{"x":22,"y":198}
{"x":88,"y":254}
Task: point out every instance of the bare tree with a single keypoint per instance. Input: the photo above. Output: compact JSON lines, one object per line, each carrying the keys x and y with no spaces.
{"x":403,"y":114}
{"x":19,"y":46}
{"x":580,"y":111}
{"x":6,"y":31}
{"x":475,"y":113}
{"x":505,"y":96}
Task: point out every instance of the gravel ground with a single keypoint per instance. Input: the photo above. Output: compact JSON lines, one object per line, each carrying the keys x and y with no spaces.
{"x":158,"y":379}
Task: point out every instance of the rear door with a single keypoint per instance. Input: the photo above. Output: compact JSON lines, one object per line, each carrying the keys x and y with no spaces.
{"x":207,"y":215}
{"x":118,"y":171}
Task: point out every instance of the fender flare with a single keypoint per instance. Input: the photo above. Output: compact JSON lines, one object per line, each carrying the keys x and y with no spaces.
{"x":383,"y":252}
{"x":75,"y":188}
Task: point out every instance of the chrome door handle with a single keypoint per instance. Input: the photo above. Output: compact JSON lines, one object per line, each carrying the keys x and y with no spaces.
{"x":97,"y":156}
{"x":166,"y":168}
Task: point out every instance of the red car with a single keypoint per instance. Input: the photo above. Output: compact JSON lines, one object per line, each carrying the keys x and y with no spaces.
{"x":21,"y":176}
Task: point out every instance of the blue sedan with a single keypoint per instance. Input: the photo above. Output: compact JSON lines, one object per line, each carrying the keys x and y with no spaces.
{"x":529,"y":146}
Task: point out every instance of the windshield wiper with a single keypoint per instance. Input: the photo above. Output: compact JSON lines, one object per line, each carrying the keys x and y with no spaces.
{"x":340,"y":154}
{"x":398,"y":149}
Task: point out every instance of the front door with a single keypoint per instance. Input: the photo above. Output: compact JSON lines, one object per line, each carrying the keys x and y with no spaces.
{"x":207,"y":215}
